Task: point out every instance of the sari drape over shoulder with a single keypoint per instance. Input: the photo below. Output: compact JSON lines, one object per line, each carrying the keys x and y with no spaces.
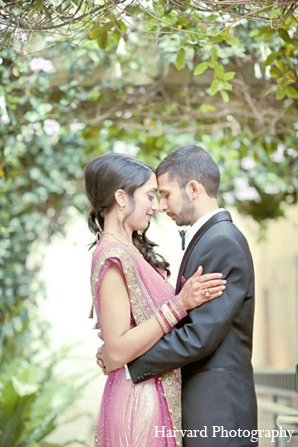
{"x":147,"y":413}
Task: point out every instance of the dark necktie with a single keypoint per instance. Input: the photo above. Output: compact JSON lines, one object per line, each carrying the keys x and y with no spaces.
{"x":182,"y":235}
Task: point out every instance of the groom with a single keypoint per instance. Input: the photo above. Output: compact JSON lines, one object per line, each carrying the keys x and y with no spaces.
{"x":213,"y":344}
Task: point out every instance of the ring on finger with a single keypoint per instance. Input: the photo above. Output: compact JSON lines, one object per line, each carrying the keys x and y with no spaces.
{"x":207,"y":293}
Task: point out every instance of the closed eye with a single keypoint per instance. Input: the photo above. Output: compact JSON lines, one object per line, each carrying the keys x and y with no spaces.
{"x":151,"y":196}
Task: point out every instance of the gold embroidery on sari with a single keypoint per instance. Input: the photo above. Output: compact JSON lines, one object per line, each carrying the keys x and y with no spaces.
{"x":143,"y":308}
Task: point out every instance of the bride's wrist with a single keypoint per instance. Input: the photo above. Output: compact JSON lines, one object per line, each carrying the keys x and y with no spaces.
{"x":170,"y":313}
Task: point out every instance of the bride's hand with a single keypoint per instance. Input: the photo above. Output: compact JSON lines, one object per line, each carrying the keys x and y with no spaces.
{"x":104,"y":361}
{"x":200,"y":288}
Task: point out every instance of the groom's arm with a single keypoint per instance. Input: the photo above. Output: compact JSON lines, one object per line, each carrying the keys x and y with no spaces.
{"x":206,"y":326}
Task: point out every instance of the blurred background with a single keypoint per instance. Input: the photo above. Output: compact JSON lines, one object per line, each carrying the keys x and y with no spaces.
{"x":81,"y":78}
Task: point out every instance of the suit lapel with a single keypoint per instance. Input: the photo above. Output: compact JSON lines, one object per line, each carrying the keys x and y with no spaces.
{"x":218,"y":217}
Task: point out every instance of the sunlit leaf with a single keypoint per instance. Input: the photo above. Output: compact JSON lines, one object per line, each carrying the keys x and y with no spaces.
{"x":224,"y":96}
{"x":281,"y":65}
{"x":95,"y":33}
{"x":292,"y":92}
{"x":214,"y":87}
{"x":201,"y":68}
{"x":275,"y":73}
{"x":271,"y":58}
{"x":233,"y":41}
{"x":283,"y":34}
{"x":228,"y":75}
{"x":218,"y":69}
{"x":180,"y":59}
{"x":217,"y":39}
{"x":281,"y":92}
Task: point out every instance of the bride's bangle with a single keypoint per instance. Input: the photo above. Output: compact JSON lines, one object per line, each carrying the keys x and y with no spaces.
{"x":170,"y":313}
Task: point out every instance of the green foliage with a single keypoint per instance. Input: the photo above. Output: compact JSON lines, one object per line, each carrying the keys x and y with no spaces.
{"x":147,"y":77}
{"x":32,"y":399}
{"x":37,"y":168}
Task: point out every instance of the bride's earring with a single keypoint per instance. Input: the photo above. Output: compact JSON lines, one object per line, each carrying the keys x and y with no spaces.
{"x":121,"y":215}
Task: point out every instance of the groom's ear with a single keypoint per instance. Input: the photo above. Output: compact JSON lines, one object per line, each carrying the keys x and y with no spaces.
{"x":193,"y":188}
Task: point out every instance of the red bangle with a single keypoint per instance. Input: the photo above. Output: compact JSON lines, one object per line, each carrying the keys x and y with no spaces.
{"x":170,"y":313}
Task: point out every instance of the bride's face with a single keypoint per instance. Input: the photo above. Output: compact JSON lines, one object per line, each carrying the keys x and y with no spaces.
{"x":144,"y":206}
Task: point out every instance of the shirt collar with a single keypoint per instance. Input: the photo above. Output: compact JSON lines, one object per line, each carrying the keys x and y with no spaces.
{"x":198,"y":224}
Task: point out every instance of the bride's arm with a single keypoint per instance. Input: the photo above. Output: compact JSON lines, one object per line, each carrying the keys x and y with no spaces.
{"x":123,"y":343}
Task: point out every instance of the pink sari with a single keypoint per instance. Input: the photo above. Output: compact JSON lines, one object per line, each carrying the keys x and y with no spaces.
{"x":136,"y":415}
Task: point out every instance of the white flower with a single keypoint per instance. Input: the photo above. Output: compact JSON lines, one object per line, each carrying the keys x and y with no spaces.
{"x":51,"y":127}
{"x":278,"y":156}
{"x":247,"y":163}
{"x":122,"y":148}
{"x":40,"y":64}
{"x":76,"y":126}
{"x":244,"y":191}
{"x":272,"y":189}
{"x":4,"y":118}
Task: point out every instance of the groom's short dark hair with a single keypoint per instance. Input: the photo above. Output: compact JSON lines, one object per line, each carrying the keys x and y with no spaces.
{"x":186,"y":163}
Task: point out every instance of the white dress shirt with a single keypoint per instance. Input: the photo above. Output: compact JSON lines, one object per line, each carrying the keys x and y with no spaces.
{"x":198,"y":224}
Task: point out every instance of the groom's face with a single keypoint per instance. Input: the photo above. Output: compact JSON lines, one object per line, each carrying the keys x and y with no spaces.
{"x":175,"y":201}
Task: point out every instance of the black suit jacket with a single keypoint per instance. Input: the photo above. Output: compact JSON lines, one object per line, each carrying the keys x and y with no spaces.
{"x":213,"y":344}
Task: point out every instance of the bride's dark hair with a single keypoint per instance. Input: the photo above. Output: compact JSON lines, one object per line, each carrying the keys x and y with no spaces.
{"x":104,"y":175}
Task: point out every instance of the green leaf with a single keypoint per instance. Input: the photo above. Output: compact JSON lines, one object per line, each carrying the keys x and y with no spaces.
{"x":207,"y":108}
{"x":267,"y":32}
{"x":37,"y":5}
{"x":100,"y":34}
{"x":121,"y":25}
{"x":18,"y":11}
{"x":116,"y":36}
{"x":201,"y":68}
{"x":102,"y":40}
{"x":227,"y":86}
{"x":214,"y":53}
{"x":23,"y":388}
{"x":214,"y":87}
{"x":289,"y":77}
{"x":95,"y":33}
{"x":225,"y":96}
{"x":228,"y":75}
{"x":216,"y":39}
{"x":281,"y":65}
{"x":233,"y":41}
{"x":180,"y":59}
{"x":227,"y":32}
{"x":271,"y":58}
{"x":262,"y":31}
{"x":218,"y":70}
{"x":284,"y":35}
{"x":281,"y":92}
{"x":275,"y":73}
{"x":292,"y":92}
{"x":212,"y":18}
